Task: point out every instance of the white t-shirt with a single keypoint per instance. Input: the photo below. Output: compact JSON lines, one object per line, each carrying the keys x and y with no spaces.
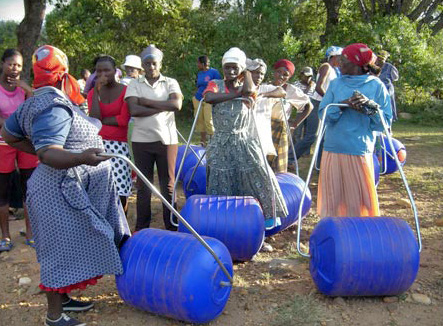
{"x":331,"y":76}
{"x":160,"y":126}
{"x":262,"y":115}
{"x":295,"y":98}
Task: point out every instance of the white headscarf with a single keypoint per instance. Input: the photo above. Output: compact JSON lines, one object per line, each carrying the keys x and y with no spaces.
{"x":235,"y":55}
{"x":151,"y":52}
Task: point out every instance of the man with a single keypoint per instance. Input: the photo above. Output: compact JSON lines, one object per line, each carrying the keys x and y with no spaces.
{"x":326,"y":73}
{"x":388,"y":75}
{"x":304,"y":135}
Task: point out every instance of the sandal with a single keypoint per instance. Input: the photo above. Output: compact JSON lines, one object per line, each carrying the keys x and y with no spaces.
{"x":5,"y":245}
{"x":30,"y":242}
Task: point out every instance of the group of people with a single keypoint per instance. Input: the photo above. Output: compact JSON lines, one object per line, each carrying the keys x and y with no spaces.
{"x":77,"y":198}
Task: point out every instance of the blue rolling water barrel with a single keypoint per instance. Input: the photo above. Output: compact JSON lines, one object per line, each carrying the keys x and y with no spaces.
{"x":197,"y":186}
{"x":236,"y":221}
{"x":190,"y":159}
{"x":363,"y":256}
{"x":172,"y":274}
{"x":400,"y":151}
{"x":376,"y":169}
{"x":292,"y":189}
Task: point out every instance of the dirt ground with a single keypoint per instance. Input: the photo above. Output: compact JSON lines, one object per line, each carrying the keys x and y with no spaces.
{"x":268,"y":293}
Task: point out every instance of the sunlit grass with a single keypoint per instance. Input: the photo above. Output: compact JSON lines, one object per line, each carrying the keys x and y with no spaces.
{"x":301,"y":310}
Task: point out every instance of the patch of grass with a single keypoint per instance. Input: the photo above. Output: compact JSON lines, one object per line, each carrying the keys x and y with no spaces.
{"x":392,"y":322}
{"x":266,"y":277}
{"x":301,"y":310}
{"x":240,"y":282}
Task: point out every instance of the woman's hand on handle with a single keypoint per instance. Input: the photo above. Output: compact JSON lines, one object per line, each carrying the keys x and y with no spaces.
{"x":91,"y":157}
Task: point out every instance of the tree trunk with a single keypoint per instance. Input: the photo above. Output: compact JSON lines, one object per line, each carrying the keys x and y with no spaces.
{"x":406,"y":6}
{"x":28,"y":32}
{"x":422,"y":6}
{"x":429,"y":14}
{"x":438,"y":26}
{"x":364,"y":10}
{"x":332,"y":12}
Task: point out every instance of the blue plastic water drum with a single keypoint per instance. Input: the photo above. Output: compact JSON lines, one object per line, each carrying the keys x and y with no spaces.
{"x":190,"y":160}
{"x":236,"y":221}
{"x":197,"y":186}
{"x":376,"y":169}
{"x":400,"y":151}
{"x":172,"y":274}
{"x":292,"y":189}
{"x":363,"y":256}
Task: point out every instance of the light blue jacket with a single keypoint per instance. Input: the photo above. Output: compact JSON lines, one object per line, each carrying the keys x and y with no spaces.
{"x":349,"y":131}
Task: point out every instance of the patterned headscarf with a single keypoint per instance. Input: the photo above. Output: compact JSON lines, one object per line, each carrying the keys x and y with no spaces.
{"x":255,"y":64}
{"x":333,"y":51}
{"x":286,"y":64}
{"x":359,"y":54}
{"x":50,"y":66}
{"x":235,"y":55}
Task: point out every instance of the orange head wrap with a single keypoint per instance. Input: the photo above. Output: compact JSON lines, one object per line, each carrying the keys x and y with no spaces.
{"x":286,"y":64}
{"x":50,"y":66}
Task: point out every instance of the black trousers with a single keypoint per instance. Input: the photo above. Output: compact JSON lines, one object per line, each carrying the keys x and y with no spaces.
{"x":146,"y":155}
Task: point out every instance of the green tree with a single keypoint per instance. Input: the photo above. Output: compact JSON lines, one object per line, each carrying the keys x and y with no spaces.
{"x":8,"y":36}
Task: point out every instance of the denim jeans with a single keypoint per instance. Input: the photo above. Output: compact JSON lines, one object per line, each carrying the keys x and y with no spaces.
{"x":303,"y":146}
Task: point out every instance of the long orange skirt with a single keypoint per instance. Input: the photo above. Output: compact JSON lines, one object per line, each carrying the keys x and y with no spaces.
{"x":346,"y":186}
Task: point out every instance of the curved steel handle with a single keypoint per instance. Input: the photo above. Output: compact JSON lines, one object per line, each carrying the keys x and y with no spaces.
{"x":188,"y":146}
{"x":173,"y":210}
{"x":311,"y":167}
{"x":194,"y":170}
{"x":265,"y":161}
{"x":320,"y":132}
{"x":403,"y":176}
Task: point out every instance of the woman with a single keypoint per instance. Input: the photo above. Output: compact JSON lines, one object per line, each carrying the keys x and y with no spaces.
{"x":236,"y":166}
{"x":153,"y":99}
{"x":295,"y":98}
{"x":75,"y":213}
{"x":267,"y":97}
{"x":13,"y":92}
{"x":204,"y":76}
{"x":132,"y":67}
{"x":106,"y":102}
{"x":346,"y":186}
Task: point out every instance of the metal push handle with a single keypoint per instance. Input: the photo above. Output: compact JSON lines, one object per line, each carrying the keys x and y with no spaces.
{"x":265,"y":162}
{"x":286,"y":119}
{"x":188,"y":145}
{"x":174,"y":211}
{"x":184,"y":140}
{"x":308,"y":178}
{"x":195,"y":170}
{"x":320,"y":132}
{"x":403,"y":176}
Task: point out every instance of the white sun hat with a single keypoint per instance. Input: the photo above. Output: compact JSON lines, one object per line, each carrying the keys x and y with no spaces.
{"x":133,"y":61}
